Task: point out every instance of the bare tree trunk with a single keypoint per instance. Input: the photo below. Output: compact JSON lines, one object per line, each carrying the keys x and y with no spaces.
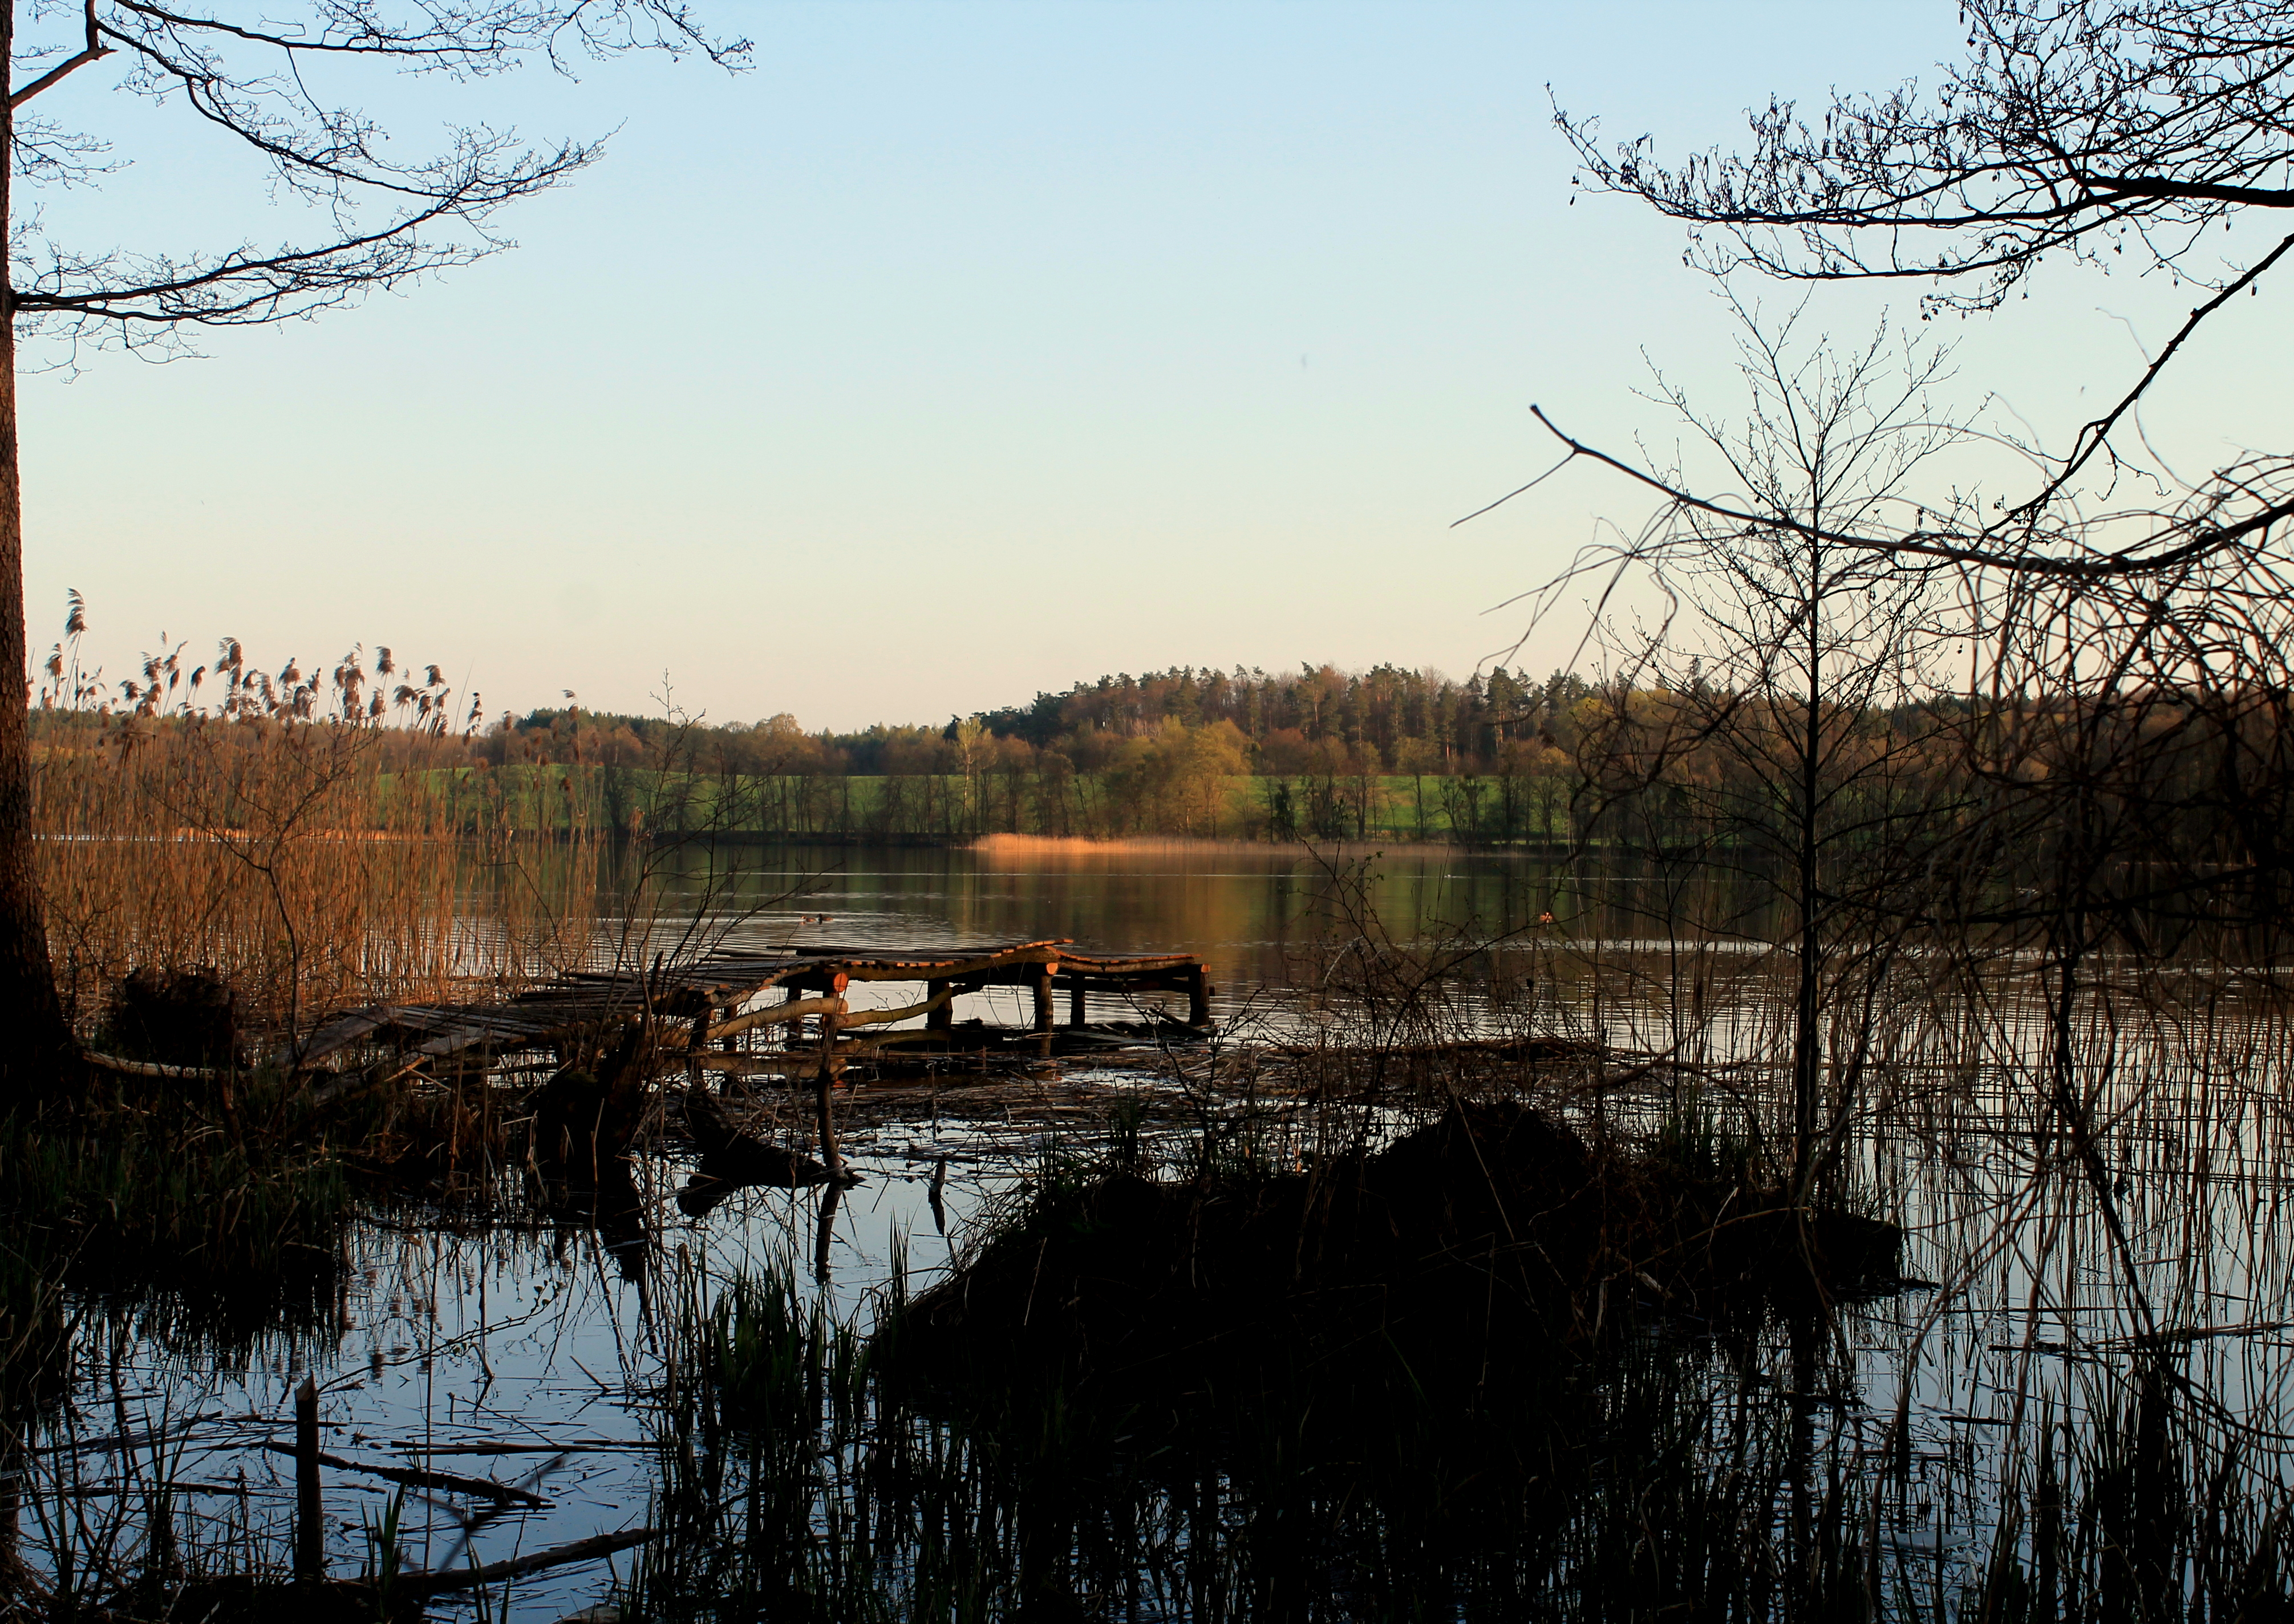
{"x":36,"y":1049}
{"x":1807,"y":1065}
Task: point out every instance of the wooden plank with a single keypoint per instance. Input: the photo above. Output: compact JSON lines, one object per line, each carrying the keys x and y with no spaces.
{"x":947,"y":968}
{"x":337,"y":1034}
{"x":1135,"y":964}
{"x":450,"y":1043}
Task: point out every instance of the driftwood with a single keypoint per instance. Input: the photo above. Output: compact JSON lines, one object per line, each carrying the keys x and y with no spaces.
{"x":882,"y":1017}
{"x":421,"y":1584}
{"x":153,"y":1068}
{"x":804,"y":1064}
{"x":795,"y":1008}
{"x":415,"y":1477}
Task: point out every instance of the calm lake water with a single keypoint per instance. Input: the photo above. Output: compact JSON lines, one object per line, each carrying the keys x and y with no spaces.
{"x":531,"y":1354}
{"x":1260,"y":916}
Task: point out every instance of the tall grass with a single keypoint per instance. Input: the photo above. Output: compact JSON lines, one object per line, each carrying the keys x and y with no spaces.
{"x":281,"y":853}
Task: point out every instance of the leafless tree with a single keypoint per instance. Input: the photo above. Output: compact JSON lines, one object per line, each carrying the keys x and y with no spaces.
{"x":267,"y":80}
{"x":2080,"y":128}
{"x":1762,"y":711}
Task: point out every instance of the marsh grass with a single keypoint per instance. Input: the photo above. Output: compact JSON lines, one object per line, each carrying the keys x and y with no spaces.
{"x":1747,"y":1466}
{"x":207,"y":1232}
{"x":278,"y":855}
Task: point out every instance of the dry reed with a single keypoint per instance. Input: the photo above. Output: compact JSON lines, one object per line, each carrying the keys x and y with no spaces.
{"x":290,"y":838}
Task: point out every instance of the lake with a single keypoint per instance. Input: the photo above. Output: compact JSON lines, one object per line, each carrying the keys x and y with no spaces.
{"x":530,"y":1347}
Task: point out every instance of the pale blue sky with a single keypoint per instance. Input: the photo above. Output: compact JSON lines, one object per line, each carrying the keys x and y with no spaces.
{"x":965,"y":350}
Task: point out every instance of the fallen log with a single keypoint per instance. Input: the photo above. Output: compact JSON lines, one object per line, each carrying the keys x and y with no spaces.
{"x":152,"y":1068}
{"x":801,"y":1063}
{"x":418,"y":1586}
{"x":416,"y":1477}
{"x":884,"y":1018}
{"x":795,"y":1008}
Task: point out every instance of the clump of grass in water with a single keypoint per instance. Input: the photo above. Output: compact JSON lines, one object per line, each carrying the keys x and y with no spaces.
{"x":213,"y":1233}
{"x":800,"y":1482}
{"x":767,"y":1515}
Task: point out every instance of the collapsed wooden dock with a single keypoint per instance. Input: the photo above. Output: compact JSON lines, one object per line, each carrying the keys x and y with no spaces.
{"x":713,"y":1012}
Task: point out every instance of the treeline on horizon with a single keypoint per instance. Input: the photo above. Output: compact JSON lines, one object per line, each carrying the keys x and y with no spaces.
{"x":1198,"y":752}
{"x":1686,"y":769}
{"x":1318,"y":719}
{"x":1387,"y":753}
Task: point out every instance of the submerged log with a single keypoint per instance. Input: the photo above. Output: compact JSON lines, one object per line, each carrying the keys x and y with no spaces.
{"x":419,"y":1586}
{"x":730,"y":1157}
{"x":416,"y":1477}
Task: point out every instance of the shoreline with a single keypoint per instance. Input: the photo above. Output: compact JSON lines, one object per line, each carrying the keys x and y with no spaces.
{"x":1070,"y":847}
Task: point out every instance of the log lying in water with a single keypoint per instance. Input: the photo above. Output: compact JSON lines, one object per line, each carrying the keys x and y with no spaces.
{"x":419,"y":1586}
{"x":731,"y":1158}
{"x":417,"y":1477}
{"x":774,"y":1014}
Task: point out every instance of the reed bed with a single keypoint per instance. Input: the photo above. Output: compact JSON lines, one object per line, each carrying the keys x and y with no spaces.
{"x":279,"y":854}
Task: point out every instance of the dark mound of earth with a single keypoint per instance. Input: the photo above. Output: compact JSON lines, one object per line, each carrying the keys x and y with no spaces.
{"x":1492,"y":1240}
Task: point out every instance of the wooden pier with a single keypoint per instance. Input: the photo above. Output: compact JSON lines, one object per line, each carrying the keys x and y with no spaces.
{"x":709,"y":1012}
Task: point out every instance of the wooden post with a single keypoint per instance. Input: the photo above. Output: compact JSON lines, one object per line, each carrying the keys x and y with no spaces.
{"x":1076,"y":1009}
{"x":697,"y":1041}
{"x":1198,"y":996}
{"x":831,"y":1157}
{"x":943,"y":1018}
{"x":1043,"y":982}
{"x":825,"y":1234}
{"x":310,"y":1532}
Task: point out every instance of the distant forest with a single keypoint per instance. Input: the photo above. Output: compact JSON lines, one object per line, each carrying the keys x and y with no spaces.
{"x":1382,"y":754}
{"x":1387,"y":753}
{"x":1687,"y":767}
{"x":1316,"y":720}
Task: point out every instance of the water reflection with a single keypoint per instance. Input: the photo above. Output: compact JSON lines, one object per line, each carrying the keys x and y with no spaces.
{"x":1253,"y":913}
{"x":533,"y":1349}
